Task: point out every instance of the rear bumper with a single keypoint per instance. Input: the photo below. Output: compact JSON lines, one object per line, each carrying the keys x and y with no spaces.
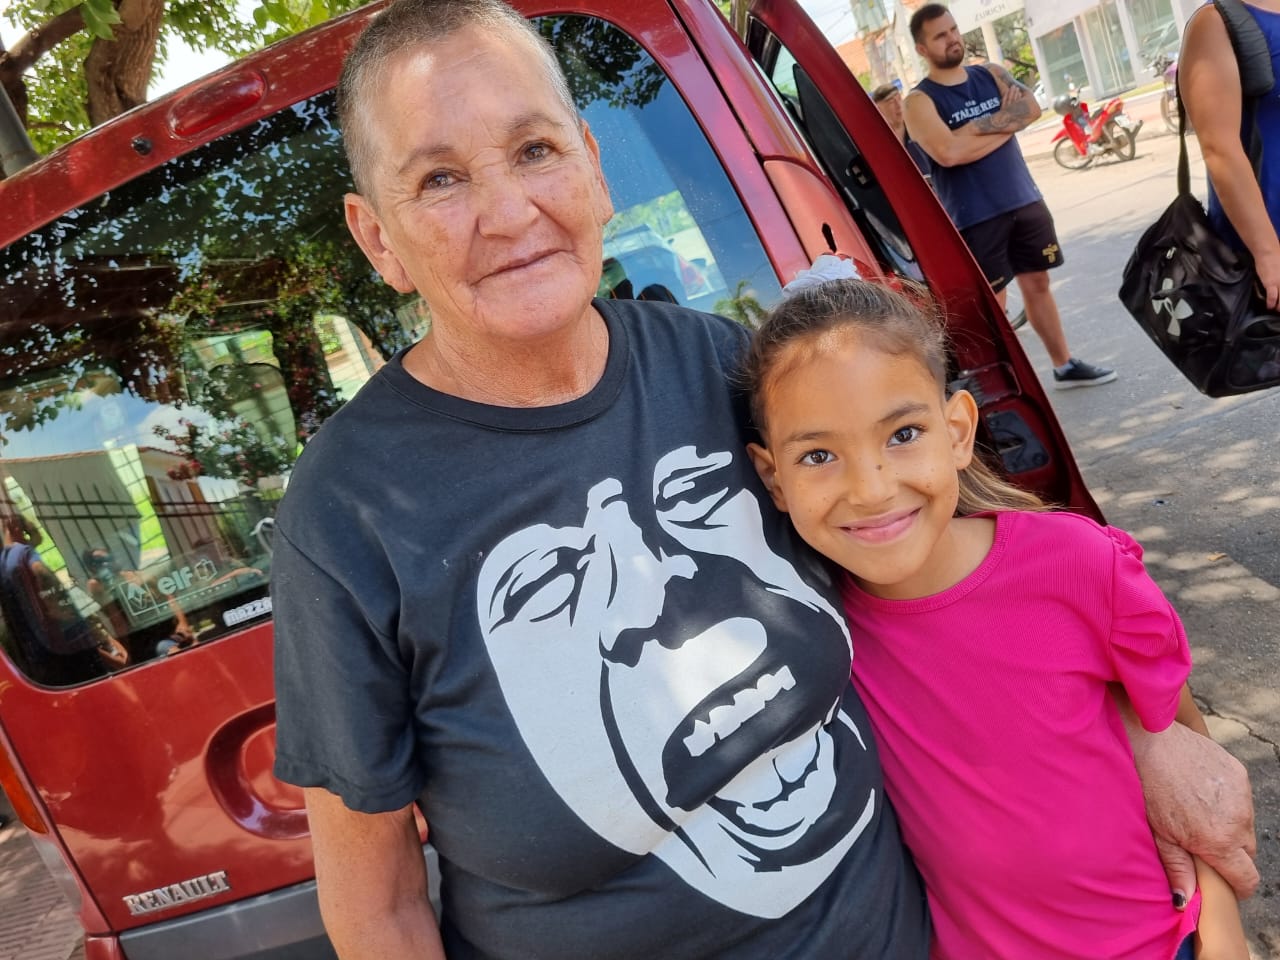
{"x":281,"y":925}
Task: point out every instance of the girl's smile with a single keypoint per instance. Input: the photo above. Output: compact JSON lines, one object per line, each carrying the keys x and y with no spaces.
{"x":883,"y":529}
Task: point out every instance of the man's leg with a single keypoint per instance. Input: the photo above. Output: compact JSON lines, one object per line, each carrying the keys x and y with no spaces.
{"x":1042,"y":314}
{"x":1033,"y":252}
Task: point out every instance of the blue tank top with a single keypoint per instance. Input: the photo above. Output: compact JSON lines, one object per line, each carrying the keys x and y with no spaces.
{"x":1268,"y":114}
{"x":986,"y":188}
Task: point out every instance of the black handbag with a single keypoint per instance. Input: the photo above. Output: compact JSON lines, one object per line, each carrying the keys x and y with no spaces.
{"x":1193,"y":294}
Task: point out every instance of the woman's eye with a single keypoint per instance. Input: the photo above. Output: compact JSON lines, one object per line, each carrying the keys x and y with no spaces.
{"x":434,"y":181}
{"x":904,"y":435}
{"x":816,"y":458}
{"x":537,"y":151}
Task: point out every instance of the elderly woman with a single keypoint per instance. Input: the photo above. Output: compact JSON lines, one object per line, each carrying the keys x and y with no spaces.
{"x":1243,"y":208}
{"x":527,"y":579}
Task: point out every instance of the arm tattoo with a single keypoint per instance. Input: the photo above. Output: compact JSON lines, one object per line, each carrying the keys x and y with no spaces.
{"x":1008,"y":119}
{"x":1006,"y":78}
{"x":1011,"y":117}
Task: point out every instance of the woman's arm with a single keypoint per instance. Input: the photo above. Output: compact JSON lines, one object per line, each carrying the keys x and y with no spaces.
{"x":1198,"y":799}
{"x":371,"y":880}
{"x":1209,"y":82}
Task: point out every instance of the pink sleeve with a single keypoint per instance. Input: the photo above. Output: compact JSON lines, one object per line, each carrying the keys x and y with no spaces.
{"x":1148,"y":646}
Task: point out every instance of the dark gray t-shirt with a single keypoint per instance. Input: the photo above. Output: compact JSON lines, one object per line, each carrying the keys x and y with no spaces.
{"x":582,"y":638}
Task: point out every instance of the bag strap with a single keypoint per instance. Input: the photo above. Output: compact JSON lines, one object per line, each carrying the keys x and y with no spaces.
{"x":1253,"y":61}
{"x":1249,"y":44}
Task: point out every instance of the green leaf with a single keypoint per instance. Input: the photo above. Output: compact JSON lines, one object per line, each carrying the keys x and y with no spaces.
{"x":99,"y":17}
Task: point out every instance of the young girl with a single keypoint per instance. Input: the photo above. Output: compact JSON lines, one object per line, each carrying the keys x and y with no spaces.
{"x":986,"y":632}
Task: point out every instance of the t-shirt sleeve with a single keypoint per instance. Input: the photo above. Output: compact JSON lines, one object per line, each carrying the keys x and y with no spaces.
{"x":1148,"y":646}
{"x":343,"y":707}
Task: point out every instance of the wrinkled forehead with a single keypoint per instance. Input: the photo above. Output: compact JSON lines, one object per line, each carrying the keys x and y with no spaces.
{"x":434,"y":70}
{"x":460,"y":85}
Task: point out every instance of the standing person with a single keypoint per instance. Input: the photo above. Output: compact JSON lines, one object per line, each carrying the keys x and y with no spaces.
{"x":988,"y":633}
{"x":604,"y":671}
{"x":1244,"y":208}
{"x":888,"y":100}
{"x":965,"y":118}
{"x":528,"y":582}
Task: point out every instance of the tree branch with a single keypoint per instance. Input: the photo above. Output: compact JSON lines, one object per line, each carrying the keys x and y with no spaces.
{"x":38,"y":41}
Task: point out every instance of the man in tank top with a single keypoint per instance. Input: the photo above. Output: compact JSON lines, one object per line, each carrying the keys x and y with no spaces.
{"x":965,"y":118}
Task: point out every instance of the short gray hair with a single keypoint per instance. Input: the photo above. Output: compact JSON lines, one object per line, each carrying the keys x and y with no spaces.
{"x":404,"y":25}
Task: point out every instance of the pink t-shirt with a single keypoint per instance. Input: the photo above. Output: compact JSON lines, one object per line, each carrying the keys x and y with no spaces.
{"x":1004,"y":754}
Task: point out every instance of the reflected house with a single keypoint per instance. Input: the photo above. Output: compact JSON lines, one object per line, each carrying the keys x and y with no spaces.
{"x":127,"y":502}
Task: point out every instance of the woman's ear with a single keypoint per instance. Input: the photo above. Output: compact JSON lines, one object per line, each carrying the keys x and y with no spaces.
{"x":962,"y":421}
{"x":762,"y":460}
{"x":366,"y":227}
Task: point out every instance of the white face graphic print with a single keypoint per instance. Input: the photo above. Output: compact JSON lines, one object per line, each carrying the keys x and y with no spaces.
{"x":678,"y":685}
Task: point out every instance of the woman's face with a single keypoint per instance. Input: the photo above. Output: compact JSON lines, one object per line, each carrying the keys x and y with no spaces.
{"x":487,"y":196}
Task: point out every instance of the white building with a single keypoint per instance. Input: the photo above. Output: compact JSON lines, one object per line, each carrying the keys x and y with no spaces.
{"x":1103,"y":47}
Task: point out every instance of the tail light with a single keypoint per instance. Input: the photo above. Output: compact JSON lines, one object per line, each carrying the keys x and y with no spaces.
{"x":24,"y":804}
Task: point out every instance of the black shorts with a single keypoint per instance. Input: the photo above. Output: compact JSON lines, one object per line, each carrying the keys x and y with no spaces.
{"x":1020,"y":241}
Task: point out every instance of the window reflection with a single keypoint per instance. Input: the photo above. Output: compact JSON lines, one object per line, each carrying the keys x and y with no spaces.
{"x":167,"y":350}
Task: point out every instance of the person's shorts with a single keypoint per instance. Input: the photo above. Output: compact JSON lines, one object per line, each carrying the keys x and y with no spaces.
{"x":1019,"y":241}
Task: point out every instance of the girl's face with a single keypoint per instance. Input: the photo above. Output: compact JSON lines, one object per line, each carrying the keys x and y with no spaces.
{"x":864,"y":453}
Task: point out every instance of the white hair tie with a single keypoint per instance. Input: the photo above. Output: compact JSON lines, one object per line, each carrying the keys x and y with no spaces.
{"x":826,"y":268}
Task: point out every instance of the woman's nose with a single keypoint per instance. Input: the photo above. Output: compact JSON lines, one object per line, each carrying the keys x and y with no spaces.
{"x":505,"y":205}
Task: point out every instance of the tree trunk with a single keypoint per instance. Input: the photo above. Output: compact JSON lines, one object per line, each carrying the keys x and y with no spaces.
{"x":117,"y":71}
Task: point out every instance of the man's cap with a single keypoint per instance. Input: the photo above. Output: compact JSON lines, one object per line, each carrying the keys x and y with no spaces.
{"x":885,"y":91}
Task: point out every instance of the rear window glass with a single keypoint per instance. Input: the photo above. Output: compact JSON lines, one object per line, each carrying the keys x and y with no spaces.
{"x":167,"y":350}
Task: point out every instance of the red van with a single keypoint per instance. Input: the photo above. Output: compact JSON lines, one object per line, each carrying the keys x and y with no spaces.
{"x":181,"y":307}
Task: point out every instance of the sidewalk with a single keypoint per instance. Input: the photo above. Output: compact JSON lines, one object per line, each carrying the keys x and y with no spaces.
{"x":1037,"y":139}
{"x":36,"y":923}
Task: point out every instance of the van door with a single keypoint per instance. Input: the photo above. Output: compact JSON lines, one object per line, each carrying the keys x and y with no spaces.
{"x":914,"y":239}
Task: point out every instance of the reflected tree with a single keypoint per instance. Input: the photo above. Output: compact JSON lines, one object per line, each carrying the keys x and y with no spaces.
{"x":602,"y":63}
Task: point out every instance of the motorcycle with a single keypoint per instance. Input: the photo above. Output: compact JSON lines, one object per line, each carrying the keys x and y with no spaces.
{"x":1086,"y":136}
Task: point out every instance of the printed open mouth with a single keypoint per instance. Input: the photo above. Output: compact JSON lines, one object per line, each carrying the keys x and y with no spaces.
{"x":728,"y":730}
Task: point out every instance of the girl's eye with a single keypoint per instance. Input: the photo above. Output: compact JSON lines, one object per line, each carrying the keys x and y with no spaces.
{"x":904,"y":435}
{"x":816,"y":458}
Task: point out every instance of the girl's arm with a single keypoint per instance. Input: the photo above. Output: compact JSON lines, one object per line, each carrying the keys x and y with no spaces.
{"x":1189,"y":714}
{"x":1219,"y":935}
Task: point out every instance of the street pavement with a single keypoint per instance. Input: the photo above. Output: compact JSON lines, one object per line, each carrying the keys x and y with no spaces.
{"x":36,"y":923}
{"x":1196,"y":480}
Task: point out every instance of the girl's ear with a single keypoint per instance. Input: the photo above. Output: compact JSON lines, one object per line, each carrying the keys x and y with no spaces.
{"x":962,"y":420}
{"x":762,"y":459}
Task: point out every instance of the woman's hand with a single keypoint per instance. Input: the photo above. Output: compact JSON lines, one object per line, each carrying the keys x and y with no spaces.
{"x":1267,"y":268}
{"x":1198,"y":800}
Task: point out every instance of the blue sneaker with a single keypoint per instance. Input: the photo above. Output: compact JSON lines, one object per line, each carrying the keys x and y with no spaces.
{"x":1081,"y":374}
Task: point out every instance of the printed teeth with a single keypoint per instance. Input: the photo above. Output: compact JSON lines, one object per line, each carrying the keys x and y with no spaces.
{"x":723,"y":721}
